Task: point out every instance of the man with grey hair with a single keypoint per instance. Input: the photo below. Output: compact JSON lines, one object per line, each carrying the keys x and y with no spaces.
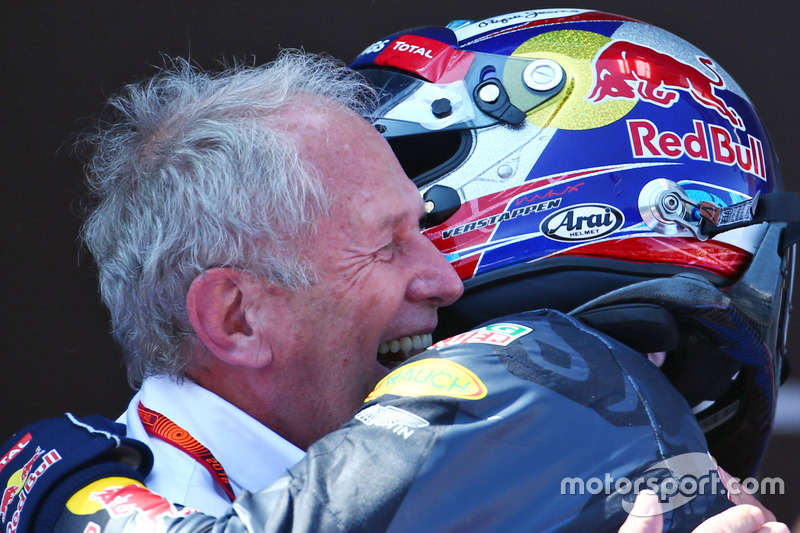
{"x":259,"y":246}
{"x":257,"y":242}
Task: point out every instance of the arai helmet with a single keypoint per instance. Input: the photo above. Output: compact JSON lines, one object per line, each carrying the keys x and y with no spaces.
{"x":598,"y":165}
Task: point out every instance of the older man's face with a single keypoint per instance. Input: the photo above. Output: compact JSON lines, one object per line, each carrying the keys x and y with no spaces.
{"x":380,"y":279}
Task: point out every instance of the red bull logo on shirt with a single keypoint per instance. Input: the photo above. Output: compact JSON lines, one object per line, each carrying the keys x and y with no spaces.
{"x":149,"y":508}
{"x":20,"y":484}
{"x":15,"y":450}
{"x":627,"y":71}
{"x":16,"y":482}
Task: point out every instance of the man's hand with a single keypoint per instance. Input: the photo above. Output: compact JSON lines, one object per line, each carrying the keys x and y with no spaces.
{"x":748,"y":516}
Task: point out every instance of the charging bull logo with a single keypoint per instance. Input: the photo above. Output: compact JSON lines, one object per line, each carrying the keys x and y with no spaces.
{"x":628,"y":71}
{"x":20,"y":484}
{"x":16,"y":483}
{"x":149,"y":508}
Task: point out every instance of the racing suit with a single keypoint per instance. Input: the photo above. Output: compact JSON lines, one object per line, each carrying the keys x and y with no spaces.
{"x":534,"y":422}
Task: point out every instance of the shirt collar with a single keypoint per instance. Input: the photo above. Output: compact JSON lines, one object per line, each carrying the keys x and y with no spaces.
{"x":251,"y":454}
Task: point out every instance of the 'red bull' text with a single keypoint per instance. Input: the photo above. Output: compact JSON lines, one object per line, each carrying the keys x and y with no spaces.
{"x":706,"y":142}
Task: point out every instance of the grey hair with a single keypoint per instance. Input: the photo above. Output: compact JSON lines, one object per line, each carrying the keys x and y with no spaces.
{"x":192,"y":174}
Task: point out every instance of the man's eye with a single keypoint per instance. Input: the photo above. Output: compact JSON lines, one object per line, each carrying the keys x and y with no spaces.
{"x":387,"y":252}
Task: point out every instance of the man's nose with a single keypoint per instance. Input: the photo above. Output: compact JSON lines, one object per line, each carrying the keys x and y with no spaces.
{"x":436,"y":281}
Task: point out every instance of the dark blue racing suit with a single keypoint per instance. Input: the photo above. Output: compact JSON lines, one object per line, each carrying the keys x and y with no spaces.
{"x":533,"y":422}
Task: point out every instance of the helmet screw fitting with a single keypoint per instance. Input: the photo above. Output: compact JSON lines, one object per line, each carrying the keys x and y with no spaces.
{"x":491,"y":97}
{"x":667,"y":209}
{"x":670,"y":203}
{"x":542,"y":75}
{"x":505,"y":171}
{"x":489,"y":93}
{"x":441,"y":108}
{"x":440,"y":203}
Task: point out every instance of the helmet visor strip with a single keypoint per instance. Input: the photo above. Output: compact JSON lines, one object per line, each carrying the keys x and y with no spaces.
{"x":410,"y":105}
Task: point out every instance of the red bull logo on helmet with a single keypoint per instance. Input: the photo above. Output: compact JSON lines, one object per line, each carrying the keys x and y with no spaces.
{"x":627,"y":71}
{"x":705,"y":142}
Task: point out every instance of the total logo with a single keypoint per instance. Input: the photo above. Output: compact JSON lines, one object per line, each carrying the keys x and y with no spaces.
{"x":423,"y":47}
{"x":403,"y":46}
{"x":582,"y":222}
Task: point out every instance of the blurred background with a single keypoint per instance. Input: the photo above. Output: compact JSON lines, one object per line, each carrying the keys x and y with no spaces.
{"x":62,"y":59}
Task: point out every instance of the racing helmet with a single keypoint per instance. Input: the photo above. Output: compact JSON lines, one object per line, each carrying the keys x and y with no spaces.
{"x":595,"y":164}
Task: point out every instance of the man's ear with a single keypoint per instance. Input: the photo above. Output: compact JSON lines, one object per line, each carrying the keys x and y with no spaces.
{"x":218,"y":302}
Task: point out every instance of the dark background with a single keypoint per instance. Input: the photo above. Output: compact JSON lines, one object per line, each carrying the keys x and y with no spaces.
{"x":60,"y":60}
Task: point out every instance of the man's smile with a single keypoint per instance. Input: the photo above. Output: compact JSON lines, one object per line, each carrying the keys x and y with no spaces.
{"x":391,"y":354}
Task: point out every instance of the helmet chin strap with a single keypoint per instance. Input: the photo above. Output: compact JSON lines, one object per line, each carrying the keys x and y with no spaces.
{"x":645,"y":327}
{"x":736,"y":331}
{"x":769,"y":207}
{"x":665,"y":206}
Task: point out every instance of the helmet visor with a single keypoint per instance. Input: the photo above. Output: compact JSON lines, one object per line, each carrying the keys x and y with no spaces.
{"x":411,"y":106}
